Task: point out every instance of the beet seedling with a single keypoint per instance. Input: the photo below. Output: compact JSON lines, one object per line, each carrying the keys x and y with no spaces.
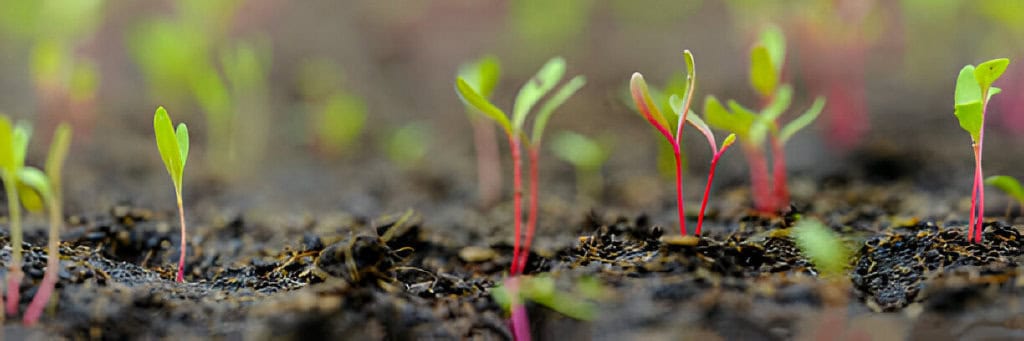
{"x":13,"y":145}
{"x":173,"y":146}
{"x":696,"y":122}
{"x":531,"y":92}
{"x":753,"y":128}
{"x":46,"y":191}
{"x":646,"y":106}
{"x":1011,"y":187}
{"x":971,"y":96}
{"x":483,"y":75}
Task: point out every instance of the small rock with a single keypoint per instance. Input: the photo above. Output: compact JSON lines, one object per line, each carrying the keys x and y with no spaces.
{"x":476,"y":254}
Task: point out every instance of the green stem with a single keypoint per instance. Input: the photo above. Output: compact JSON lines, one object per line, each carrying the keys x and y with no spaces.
{"x":181,"y":258}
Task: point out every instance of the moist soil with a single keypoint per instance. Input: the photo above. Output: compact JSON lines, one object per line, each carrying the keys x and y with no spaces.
{"x":394,"y":277}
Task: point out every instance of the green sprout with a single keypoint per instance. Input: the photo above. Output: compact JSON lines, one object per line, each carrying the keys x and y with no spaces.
{"x":173,"y":146}
{"x":587,"y":156}
{"x":408,"y":144}
{"x":483,"y":75}
{"x":531,"y":93}
{"x":13,"y":145}
{"x":1011,"y":187}
{"x":339,"y":122}
{"x":823,"y":247}
{"x":46,"y":191}
{"x":575,"y":303}
{"x":753,"y":128}
{"x":973,"y":91}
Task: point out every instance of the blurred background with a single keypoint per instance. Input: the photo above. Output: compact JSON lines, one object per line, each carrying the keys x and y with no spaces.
{"x":320,"y":105}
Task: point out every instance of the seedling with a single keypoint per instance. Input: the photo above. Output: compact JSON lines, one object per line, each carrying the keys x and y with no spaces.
{"x":408,"y":144}
{"x":46,"y":188}
{"x":973,"y":91}
{"x":531,"y":92}
{"x":1011,"y":187}
{"x":483,"y":75}
{"x":173,"y":146}
{"x":13,"y":145}
{"x":696,"y":122}
{"x":766,"y":65}
{"x":587,"y":156}
{"x":646,"y":106}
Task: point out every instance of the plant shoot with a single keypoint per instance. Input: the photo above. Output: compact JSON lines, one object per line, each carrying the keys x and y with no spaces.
{"x":483,"y":75}
{"x":13,"y":145}
{"x":173,"y":146}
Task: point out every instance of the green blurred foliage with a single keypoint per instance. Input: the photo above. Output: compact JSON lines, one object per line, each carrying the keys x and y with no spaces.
{"x":546,"y":27}
{"x":407,"y":145}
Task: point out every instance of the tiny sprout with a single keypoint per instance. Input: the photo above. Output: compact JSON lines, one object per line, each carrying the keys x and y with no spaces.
{"x":649,"y":110}
{"x":971,"y":96}
{"x":483,"y":74}
{"x":696,"y":122}
{"x":767,"y":60}
{"x":537,"y":87}
{"x":47,"y":188}
{"x":1010,"y":186}
{"x":822,"y":247}
{"x":173,"y":146}
{"x":542,"y":290}
{"x":587,"y":156}
{"x":13,"y":145}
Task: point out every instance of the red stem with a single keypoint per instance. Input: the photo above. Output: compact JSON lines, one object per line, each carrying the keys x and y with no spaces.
{"x":531,"y":223}
{"x":707,"y":190}
{"x":759,"y":179}
{"x":517,"y":195}
{"x":679,"y":189}
{"x":488,"y":167}
{"x":974,"y":199}
{"x":779,"y":172}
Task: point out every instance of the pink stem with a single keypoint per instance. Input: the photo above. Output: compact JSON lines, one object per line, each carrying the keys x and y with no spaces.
{"x":181,"y":258}
{"x":517,"y":195}
{"x":35,"y":308}
{"x":679,"y":189}
{"x":779,"y":172}
{"x":974,"y":200}
{"x":531,"y":223}
{"x":520,"y":321}
{"x":759,"y":179}
{"x":13,"y":285}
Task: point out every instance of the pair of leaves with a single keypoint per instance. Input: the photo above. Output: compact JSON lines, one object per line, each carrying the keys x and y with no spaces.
{"x":766,"y":60}
{"x":173,"y":145}
{"x":753,"y":127}
{"x":649,"y":110}
{"x":1008,"y":185}
{"x":973,"y":91}
{"x":482,"y":75}
{"x":36,"y":189}
{"x":531,"y":92}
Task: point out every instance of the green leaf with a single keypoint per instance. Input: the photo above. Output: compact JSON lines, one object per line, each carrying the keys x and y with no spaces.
{"x":992,"y":92}
{"x":719,"y":117}
{"x":167,"y":143}
{"x":763,"y":75}
{"x":728,"y":141}
{"x":469,"y":96}
{"x":988,"y":72}
{"x":775,"y":42}
{"x":534,"y":89}
{"x":22,"y":133}
{"x":1008,"y":185}
{"x":549,"y":106}
{"x":55,"y":159}
{"x":967,"y":88}
{"x":646,"y":107}
{"x":691,"y":77}
{"x":804,"y":120}
{"x":181,"y":134}
{"x":822,"y":247}
{"x":780,"y":103}
{"x":579,"y":150}
{"x":34,"y":189}
{"x":482,"y":75}
{"x":698,"y":123}
{"x":6,"y":145}
{"x":970,"y":116}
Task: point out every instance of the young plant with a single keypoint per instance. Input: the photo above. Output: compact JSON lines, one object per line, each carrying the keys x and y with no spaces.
{"x":587,"y":156}
{"x":696,"y":122}
{"x":173,"y":146}
{"x":1011,"y":187}
{"x":753,"y":128}
{"x":408,"y":144}
{"x":13,"y":145}
{"x":646,"y":106}
{"x":483,"y":75}
{"x":973,"y":91}
{"x":531,"y":92}
{"x":46,"y":191}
